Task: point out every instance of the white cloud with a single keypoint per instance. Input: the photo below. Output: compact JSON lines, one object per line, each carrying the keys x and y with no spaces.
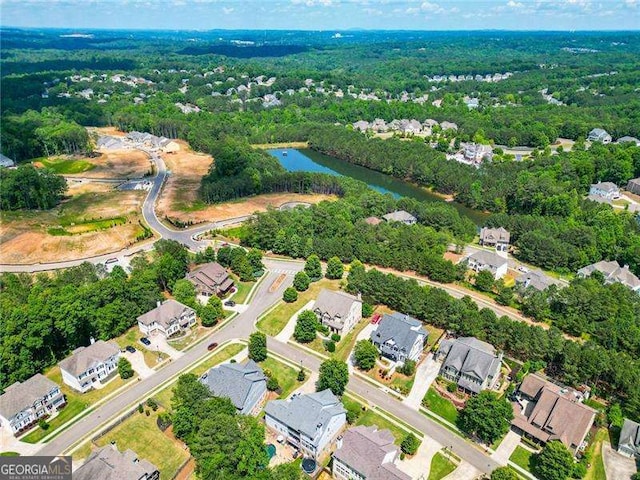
{"x":514,"y":4}
{"x":227,"y":10}
{"x":429,"y":7}
{"x":313,"y":3}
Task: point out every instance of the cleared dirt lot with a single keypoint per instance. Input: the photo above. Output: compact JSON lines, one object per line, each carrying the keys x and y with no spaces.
{"x":179,"y":199}
{"x":118,"y":164}
{"x":108,"y":218}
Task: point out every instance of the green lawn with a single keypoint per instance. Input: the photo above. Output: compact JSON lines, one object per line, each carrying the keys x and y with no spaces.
{"x":65,"y":167}
{"x":141,"y":434}
{"x":440,"y":406}
{"x":243,"y":291}
{"x":132,"y":337}
{"x":76,"y":403}
{"x":287,"y":376}
{"x":9,"y":454}
{"x":164,"y":396}
{"x":522,"y":458}
{"x":597,"y":472}
{"x":441,"y":466}
{"x":274,"y":321}
{"x":371,"y":417}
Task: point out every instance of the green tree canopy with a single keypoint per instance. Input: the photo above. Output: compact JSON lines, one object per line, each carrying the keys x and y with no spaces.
{"x":486,"y":416}
{"x":258,"y":346}
{"x":333,"y":375}
{"x":335,"y":268}
{"x":365,"y":355}
{"x":313,"y":268}
{"x":554,"y":462}
{"x":306,"y":326}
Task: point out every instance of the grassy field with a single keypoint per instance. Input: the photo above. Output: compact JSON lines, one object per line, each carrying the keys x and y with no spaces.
{"x":164,"y":396}
{"x":287,"y":376}
{"x":597,"y":472}
{"x":440,"y":406}
{"x":441,"y":466}
{"x":371,"y":417}
{"x":76,"y":403}
{"x":141,"y":434}
{"x":66,"y":167}
{"x":274,"y":321}
{"x":522,"y":458}
{"x":71,"y":226}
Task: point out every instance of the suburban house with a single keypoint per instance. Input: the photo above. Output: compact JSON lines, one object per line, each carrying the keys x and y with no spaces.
{"x":599,"y":135}
{"x":400,"y":216}
{"x":476,"y":152}
{"x":473,"y":364}
{"x":544,"y":412}
{"x":210,"y":279}
{"x":361,"y":125}
{"x":6,"y":161}
{"x":399,"y":337}
{"x":366,"y":453}
{"x":372,"y":221}
{"x":483,"y":260}
{"x":89,"y":366}
{"x":497,"y":238}
{"x":536,"y":279}
{"x":338,"y":310}
{"x":308,"y":422}
{"x":244,"y":384}
{"x":109,"y":463}
{"x":634,"y":186}
{"x":629,"y":444}
{"x":613,"y":273}
{"x":23,"y":404}
{"x":607,"y":190}
{"x":168,"y":318}
{"x":628,"y":139}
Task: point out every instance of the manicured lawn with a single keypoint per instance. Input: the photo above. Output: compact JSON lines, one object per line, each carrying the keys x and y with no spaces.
{"x":141,"y":434}
{"x":196,"y":333}
{"x":132,"y":337}
{"x":434,"y":334}
{"x":164,"y":396}
{"x":243,"y":291}
{"x":287,"y":376}
{"x":9,"y":454}
{"x":371,"y":417}
{"x":346,"y":344}
{"x":597,"y":472}
{"x":440,"y":406}
{"x":76,"y":402}
{"x":402,"y":383}
{"x":65,"y":167}
{"x":441,"y":466}
{"x":522,"y":458}
{"x":273,"y":322}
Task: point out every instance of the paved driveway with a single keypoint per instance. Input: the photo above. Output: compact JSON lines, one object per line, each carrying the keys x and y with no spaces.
{"x":9,"y":443}
{"x":465,"y":471}
{"x":420,"y":464}
{"x":425,"y":375}
{"x":139,"y":365}
{"x":617,"y":466}
{"x":506,"y":448}
{"x":159,"y":342}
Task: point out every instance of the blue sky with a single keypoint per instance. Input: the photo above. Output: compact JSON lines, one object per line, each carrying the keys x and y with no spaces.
{"x":324,"y":14}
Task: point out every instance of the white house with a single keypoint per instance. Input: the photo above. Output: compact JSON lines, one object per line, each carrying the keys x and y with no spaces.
{"x":338,"y":310}
{"x":88,"y":367}
{"x":23,"y":404}
{"x":168,"y":318}
{"x":599,"y":135}
{"x":400,"y":216}
{"x":483,"y":260}
{"x":607,"y":190}
{"x":307,"y":422}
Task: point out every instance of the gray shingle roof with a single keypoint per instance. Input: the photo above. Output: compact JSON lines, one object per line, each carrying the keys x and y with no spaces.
{"x":400,"y":329}
{"x":334,"y":303}
{"x":488,"y":258}
{"x":84,"y":358}
{"x":399,"y":216}
{"x":305,"y":412}
{"x":536,"y":279}
{"x":630,"y":436}
{"x":605,"y":186}
{"x":163,"y":314}
{"x":364,"y":450}
{"x":19,"y":396}
{"x":612,"y":272}
{"x":109,"y":464}
{"x":234,"y":381}
{"x":210,"y":276}
{"x":472,"y":357}
{"x":494,"y":235}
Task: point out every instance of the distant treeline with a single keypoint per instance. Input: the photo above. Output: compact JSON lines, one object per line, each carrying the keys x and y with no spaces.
{"x":27,"y":188}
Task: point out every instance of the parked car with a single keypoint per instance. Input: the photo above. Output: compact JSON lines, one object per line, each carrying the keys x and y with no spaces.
{"x":111,"y":260}
{"x":212,"y":346}
{"x":145,"y":341}
{"x":230,"y":303}
{"x":130,"y":348}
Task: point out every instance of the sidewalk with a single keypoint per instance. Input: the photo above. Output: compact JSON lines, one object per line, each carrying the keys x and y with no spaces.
{"x":288,"y":329}
{"x":506,"y":448}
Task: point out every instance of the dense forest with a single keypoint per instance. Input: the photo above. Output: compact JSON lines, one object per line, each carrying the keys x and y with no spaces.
{"x":611,"y":372}
{"x":28,"y":188}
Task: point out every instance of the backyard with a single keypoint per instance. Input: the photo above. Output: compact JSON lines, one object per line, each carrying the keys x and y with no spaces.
{"x":274,"y":321}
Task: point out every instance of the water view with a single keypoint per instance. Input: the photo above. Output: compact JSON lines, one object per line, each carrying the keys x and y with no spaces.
{"x":307,"y":160}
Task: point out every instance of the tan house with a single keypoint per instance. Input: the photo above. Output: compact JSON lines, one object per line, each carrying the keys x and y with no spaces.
{"x":210,"y":279}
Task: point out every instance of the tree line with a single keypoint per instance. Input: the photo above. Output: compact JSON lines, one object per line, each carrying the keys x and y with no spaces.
{"x":28,"y":188}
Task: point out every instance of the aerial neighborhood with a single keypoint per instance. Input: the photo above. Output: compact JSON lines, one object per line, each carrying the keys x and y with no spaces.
{"x":321,"y":254}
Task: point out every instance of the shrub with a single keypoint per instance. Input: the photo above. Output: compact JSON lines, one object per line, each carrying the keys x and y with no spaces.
{"x":140,"y":408}
{"x":124,"y":368}
{"x":301,"y":375}
{"x":353,"y":413}
{"x":367,"y":310}
{"x":43,"y":424}
{"x":272,"y":384}
{"x":290,"y":295}
{"x":410,"y":444}
{"x":164,"y":420}
{"x":451,"y":387}
{"x":301,"y":281}
{"x":147,"y":412}
{"x":329,"y":346}
{"x":335,"y":337}
{"x":409,"y":368}
{"x":152,"y":404}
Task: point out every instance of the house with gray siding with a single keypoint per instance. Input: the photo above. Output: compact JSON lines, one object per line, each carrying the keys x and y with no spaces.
{"x":169,"y":318}
{"x":23,"y":404}
{"x":629,"y":444}
{"x":307,"y":422}
{"x":612,"y":273}
{"x":473,"y":364}
{"x":399,"y":337}
{"x":109,"y":463}
{"x":244,"y":384}
{"x":338,"y":310}
{"x":90,"y":367}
